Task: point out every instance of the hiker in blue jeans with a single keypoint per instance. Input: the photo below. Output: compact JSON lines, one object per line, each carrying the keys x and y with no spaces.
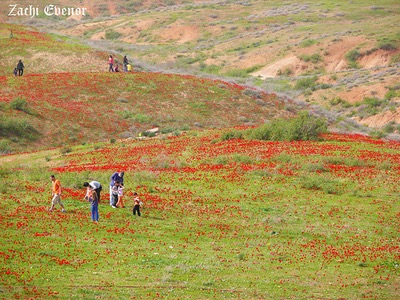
{"x":91,"y":196}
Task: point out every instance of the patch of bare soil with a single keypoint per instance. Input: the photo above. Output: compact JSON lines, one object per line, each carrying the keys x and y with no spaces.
{"x":80,"y":30}
{"x":273,"y":70}
{"x":180,"y":33}
{"x":334,"y":56}
{"x":381,"y":119}
{"x":377,"y":58}
{"x":357,"y":94}
{"x":54,"y":62}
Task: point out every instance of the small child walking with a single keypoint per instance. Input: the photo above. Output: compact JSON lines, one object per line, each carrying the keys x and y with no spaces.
{"x":137,"y":204}
{"x":120,"y":202}
{"x":114,"y":194}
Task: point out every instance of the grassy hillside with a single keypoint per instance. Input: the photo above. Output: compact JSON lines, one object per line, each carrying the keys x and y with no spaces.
{"x":45,"y":53}
{"x":223,"y":217}
{"x":339,"y":55}
{"x":49,"y":110}
{"x":235,"y":219}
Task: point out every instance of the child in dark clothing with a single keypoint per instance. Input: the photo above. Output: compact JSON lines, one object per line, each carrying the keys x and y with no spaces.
{"x":114,"y":194}
{"x":137,"y":204}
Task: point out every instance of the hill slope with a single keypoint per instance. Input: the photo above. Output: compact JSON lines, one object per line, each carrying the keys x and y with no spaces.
{"x":47,"y":110}
{"x":351,"y":48}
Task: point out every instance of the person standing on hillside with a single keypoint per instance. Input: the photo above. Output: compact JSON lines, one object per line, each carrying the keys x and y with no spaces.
{"x":20,"y":68}
{"x":56,"y":193}
{"x":137,"y":204}
{"x":126,"y":62}
{"x":111,"y":64}
{"x":94,"y":185}
{"x":120,"y":202}
{"x":117,"y":176}
{"x":91,"y":196}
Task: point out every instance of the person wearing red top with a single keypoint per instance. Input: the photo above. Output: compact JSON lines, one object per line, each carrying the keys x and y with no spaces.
{"x":56,"y":193}
{"x":111,"y":64}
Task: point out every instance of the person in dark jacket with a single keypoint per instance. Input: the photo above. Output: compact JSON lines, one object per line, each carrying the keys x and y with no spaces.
{"x":20,"y":68}
{"x":117,"y":176}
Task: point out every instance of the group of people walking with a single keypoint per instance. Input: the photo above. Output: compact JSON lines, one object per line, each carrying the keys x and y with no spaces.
{"x":112,"y":67}
{"x":93,"y":193}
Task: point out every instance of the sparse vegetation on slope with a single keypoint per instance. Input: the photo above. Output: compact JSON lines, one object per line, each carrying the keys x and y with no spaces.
{"x":269,"y":44}
{"x":71,"y":108}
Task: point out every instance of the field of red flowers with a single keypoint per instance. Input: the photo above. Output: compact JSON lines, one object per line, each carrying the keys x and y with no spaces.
{"x":236,"y":219}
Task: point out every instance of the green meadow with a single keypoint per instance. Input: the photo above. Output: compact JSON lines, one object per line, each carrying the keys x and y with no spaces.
{"x":222,"y":219}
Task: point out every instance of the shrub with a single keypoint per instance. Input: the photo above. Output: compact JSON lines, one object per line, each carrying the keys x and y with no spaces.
{"x":237,"y":73}
{"x":352,"y":55}
{"x":20,"y":104}
{"x":390,"y":127}
{"x":231,"y":135}
{"x":387,"y":45}
{"x":314,"y":58}
{"x":112,"y":34}
{"x":285,"y":72}
{"x":303,"y":127}
{"x":371,"y":102}
{"x":305,"y":83}
{"x":19,"y":128}
{"x":307,"y":43}
{"x":393,"y":92}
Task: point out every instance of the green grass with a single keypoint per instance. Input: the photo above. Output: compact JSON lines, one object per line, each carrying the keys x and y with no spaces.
{"x":209,"y":208}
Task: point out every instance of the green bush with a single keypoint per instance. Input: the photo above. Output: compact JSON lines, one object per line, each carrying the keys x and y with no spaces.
{"x":371,"y":102}
{"x":387,"y":45}
{"x":112,"y":34}
{"x":314,"y":58}
{"x":20,"y":104}
{"x":307,"y":43}
{"x":352,"y":55}
{"x":10,"y":127}
{"x":393,"y":92}
{"x":303,"y":127}
{"x":231,"y":135}
{"x":305,"y":83}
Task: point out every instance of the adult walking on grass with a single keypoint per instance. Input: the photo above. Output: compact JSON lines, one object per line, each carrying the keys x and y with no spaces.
{"x":20,"y":68}
{"x":117,"y":176}
{"x":56,"y":193}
